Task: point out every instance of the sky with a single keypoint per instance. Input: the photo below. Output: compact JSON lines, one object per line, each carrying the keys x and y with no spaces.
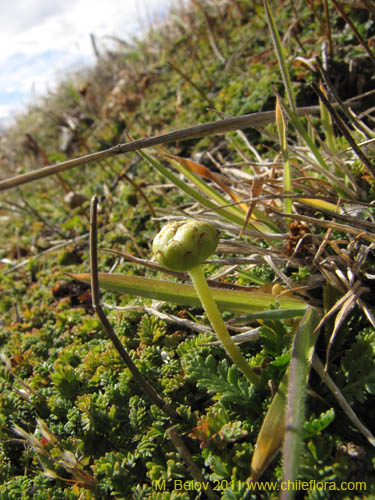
{"x":40,"y":40}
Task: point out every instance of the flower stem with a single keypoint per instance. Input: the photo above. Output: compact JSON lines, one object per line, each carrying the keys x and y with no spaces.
{"x":204,"y":293}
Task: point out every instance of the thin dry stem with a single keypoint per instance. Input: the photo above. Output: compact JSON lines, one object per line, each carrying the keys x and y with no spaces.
{"x":147,"y":388}
{"x":210,"y":128}
{"x":188,"y":459}
{"x":319,"y":368}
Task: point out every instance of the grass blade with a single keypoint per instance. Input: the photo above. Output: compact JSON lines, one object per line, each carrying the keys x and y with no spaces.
{"x":327,"y":124}
{"x":224,"y":212}
{"x":271,"y":433}
{"x":189,"y":168}
{"x":227,"y":300}
{"x":302,"y":354}
{"x":280,"y":56}
{"x":324,"y":168}
{"x":280,"y":124}
{"x":277,"y":421}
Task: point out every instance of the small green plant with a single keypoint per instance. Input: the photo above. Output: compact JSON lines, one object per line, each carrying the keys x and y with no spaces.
{"x":183,"y":246}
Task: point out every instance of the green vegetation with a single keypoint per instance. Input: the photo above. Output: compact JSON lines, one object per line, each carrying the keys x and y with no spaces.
{"x":292,"y":198}
{"x":185,"y":246}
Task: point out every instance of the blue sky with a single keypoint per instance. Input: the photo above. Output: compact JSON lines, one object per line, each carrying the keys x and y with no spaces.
{"x":40,"y":40}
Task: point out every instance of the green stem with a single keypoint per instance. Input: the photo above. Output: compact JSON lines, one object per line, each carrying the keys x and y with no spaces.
{"x":302,"y":354}
{"x":209,"y":304}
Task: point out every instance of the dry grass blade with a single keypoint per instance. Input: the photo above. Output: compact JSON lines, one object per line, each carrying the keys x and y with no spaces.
{"x":248,"y":336}
{"x":271,"y":433}
{"x":354,"y":221}
{"x":329,"y":224}
{"x":166,"y":317}
{"x":256,"y":189}
{"x":180,"y":276}
{"x":281,"y":129}
{"x":342,"y":106}
{"x":318,"y":367}
{"x":345,"y":131}
{"x":47,"y":251}
{"x":210,"y":128}
{"x":339,"y":304}
{"x":203,"y":171}
{"x":354,"y":29}
{"x":147,"y":263}
{"x":345,"y":304}
{"x":367,"y":312}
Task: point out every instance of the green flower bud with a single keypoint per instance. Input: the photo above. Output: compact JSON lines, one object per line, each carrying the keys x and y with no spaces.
{"x":180,"y":246}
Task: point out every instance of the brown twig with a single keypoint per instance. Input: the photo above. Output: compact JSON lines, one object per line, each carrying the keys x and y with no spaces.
{"x":180,"y":276}
{"x":194,"y":85}
{"x":340,"y":123}
{"x":340,"y":104}
{"x":328,"y":28}
{"x":142,"y":195}
{"x":147,"y":388}
{"x":354,"y":29}
{"x":198,"y":131}
{"x":319,"y":368}
{"x":44,"y":252}
{"x":188,"y":459}
{"x":358,"y":233}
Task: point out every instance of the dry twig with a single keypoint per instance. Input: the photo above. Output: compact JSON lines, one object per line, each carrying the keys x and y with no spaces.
{"x":147,"y":388}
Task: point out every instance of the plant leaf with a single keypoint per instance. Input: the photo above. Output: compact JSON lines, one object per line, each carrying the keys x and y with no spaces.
{"x":205,"y":172}
{"x":321,"y":166}
{"x":228,"y":300}
{"x":279,"y":50}
{"x":272,"y":432}
{"x":319,"y":204}
{"x":299,"y":368}
{"x":189,"y":169}
{"x":281,"y":129}
{"x":222,"y":211}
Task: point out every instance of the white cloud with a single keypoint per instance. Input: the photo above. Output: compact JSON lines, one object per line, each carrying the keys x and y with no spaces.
{"x":41,"y":38}
{"x":19,"y":16}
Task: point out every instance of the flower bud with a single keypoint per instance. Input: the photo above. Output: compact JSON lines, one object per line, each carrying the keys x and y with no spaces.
{"x":182,"y":245}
